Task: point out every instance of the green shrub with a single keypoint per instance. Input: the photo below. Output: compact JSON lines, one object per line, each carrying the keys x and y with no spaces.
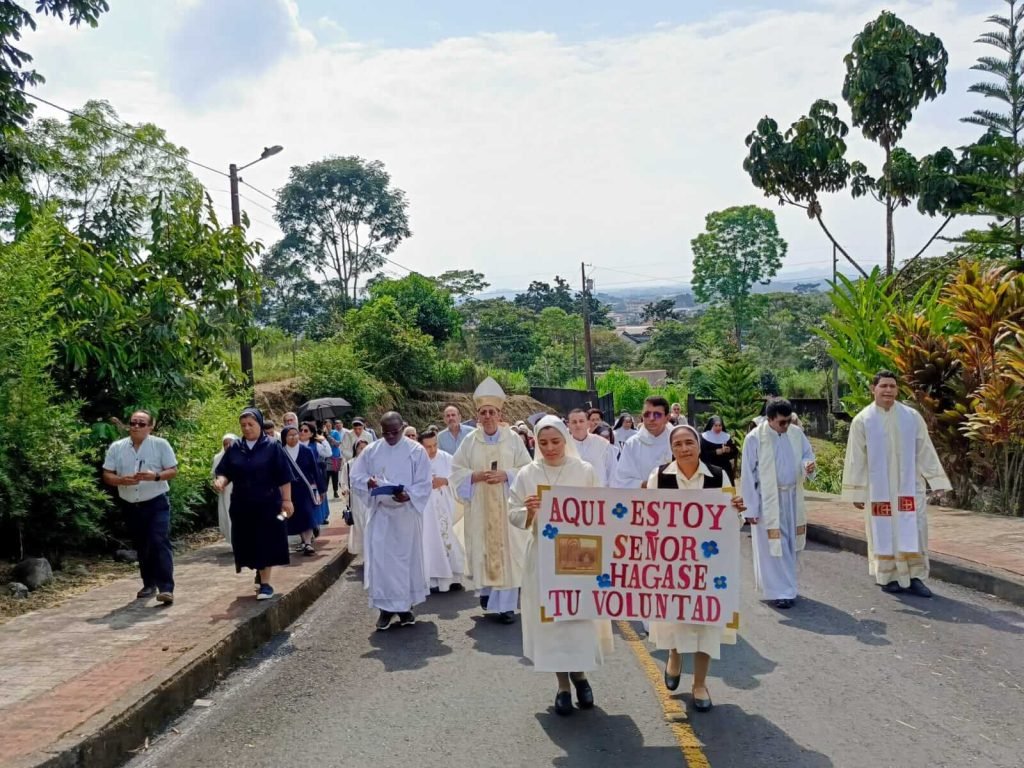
{"x":736,"y":395}
{"x":50,"y":497}
{"x":629,"y":392}
{"x":332,"y":369}
{"x":829,"y":459}
{"x":464,"y":375}
{"x":390,"y":346}
{"x":803,"y":384}
{"x":196,"y":437}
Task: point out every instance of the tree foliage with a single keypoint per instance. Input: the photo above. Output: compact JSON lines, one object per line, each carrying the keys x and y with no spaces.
{"x":429,"y":306}
{"x":503,"y":335}
{"x":289,"y":298}
{"x":390,"y":346}
{"x":462,"y":283}
{"x":739,"y":247}
{"x":16,"y":77}
{"x":662,"y":309}
{"x":736,"y":393}
{"x":345,"y":217}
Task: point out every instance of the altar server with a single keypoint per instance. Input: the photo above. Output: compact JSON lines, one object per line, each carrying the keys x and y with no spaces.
{"x":443,"y":557}
{"x":591,"y":447}
{"x":645,"y":450}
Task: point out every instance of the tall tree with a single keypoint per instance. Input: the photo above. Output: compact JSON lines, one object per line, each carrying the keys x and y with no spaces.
{"x":503,"y":335}
{"x":15,"y":108}
{"x":740,"y":246}
{"x":345,"y":216}
{"x":101,"y":174}
{"x":289,"y":298}
{"x":541,"y":295}
{"x":890,"y":70}
{"x":663,"y":309}
{"x":1002,"y":194}
{"x":428,"y":306}
{"x":462,"y":283}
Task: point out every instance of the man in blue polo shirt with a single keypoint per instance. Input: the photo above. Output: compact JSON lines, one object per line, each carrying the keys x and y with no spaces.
{"x":450,"y":438}
{"x":139,"y":466}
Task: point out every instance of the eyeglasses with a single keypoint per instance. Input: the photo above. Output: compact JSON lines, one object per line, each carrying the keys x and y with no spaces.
{"x":656,"y":415}
{"x":138,"y":423}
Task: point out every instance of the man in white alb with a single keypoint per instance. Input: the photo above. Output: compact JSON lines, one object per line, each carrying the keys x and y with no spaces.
{"x":776,"y":458}
{"x":593,"y":449}
{"x":647,"y":449}
{"x":393,"y":544}
{"x":443,"y":558}
{"x":889,"y":458}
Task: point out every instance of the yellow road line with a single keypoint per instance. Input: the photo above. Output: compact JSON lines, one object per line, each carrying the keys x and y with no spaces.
{"x":675,"y":712}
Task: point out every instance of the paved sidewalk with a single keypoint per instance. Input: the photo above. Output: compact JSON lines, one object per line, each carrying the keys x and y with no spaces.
{"x":67,"y":672}
{"x":990,"y":545}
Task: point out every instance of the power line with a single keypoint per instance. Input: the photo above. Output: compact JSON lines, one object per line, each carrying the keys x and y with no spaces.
{"x":260,"y":191}
{"x":128,"y":136}
{"x":258,"y":205}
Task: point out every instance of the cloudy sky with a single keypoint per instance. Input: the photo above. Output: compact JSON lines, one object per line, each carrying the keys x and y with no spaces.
{"x":529,"y":135}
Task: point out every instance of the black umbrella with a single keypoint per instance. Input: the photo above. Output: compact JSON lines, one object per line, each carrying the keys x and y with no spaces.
{"x":324,"y":408}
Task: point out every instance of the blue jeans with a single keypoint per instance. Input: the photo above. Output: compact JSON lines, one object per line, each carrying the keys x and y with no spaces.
{"x":151,"y":528}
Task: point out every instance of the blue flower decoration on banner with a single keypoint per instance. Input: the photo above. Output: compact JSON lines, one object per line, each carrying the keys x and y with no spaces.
{"x":710,"y":549}
{"x":604,"y":581}
{"x":549,"y":531}
{"x":721,"y":582}
{"x":619,"y":510}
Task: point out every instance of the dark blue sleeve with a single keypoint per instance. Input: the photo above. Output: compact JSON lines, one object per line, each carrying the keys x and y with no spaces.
{"x":226,"y":467}
{"x":280,"y":467}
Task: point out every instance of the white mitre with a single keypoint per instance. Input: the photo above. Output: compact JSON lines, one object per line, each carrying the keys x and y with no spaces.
{"x":489,"y":393}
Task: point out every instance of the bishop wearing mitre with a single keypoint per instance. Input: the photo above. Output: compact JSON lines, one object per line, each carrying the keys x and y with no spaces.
{"x":483,"y":470}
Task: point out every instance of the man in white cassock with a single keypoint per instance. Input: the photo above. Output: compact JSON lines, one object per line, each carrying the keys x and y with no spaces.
{"x":889,"y":458}
{"x":483,"y":469}
{"x":647,"y":449}
{"x":591,"y":448}
{"x":393,"y":541}
{"x":777,"y":457}
{"x":443,"y":558}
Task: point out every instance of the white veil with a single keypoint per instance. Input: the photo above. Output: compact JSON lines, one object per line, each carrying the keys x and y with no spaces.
{"x":555,"y":423}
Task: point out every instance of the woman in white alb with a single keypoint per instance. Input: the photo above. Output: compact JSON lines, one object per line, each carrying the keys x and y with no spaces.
{"x":355,"y":503}
{"x":568,"y":648}
{"x":224,"y":497}
{"x":686,"y":471}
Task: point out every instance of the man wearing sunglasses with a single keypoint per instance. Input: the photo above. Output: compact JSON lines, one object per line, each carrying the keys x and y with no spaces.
{"x":139,"y":466}
{"x":647,"y":449}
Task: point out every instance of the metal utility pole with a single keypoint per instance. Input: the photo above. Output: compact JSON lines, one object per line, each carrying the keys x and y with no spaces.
{"x":244,"y":347}
{"x":586,"y":328}
{"x":835,"y":363}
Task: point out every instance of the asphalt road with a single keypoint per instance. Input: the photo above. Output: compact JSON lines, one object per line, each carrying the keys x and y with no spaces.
{"x":849,"y":677}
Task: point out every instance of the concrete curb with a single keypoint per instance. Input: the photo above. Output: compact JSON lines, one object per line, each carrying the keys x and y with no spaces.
{"x":992,"y":581}
{"x":107,"y":739}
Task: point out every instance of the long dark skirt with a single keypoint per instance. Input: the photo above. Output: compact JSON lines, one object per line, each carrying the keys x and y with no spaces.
{"x":304,"y":518}
{"x":258,"y":538}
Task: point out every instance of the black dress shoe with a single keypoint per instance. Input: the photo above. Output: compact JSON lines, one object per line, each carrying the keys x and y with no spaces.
{"x":563,"y":703}
{"x":784,"y":604}
{"x":701,"y":705}
{"x":484,"y":599}
{"x":893,"y":588}
{"x":406,"y":618}
{"x":672,"y":681}
{"x":145,"y":593}
{"x":917,"y":587}
{"x":384,"y":621}
{"x":456,"y":587}
{"x":507,"y":617}
{"x":584,"y":693}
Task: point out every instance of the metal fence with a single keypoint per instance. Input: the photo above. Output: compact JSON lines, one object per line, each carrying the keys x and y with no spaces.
{"x":564,"y":400}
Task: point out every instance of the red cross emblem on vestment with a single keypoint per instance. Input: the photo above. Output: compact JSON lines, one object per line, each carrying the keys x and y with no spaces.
{"x":881,"y":509}
{"x":906,"y":504}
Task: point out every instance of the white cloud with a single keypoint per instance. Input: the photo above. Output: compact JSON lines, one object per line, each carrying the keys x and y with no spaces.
{"x":523,"y":155}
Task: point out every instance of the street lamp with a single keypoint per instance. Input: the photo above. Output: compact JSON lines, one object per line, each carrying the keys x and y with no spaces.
{"x":245,"y":350}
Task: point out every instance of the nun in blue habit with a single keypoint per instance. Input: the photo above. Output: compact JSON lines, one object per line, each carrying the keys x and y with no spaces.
{"x":260,"y":474}
{"x":309,"y":486}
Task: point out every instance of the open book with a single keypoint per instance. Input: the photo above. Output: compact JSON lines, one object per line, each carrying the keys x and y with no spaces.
{"x":387,"y":490}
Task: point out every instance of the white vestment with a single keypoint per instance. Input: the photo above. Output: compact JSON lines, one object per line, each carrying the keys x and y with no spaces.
{"x":689,"y":638}
{"x":495,"y":551}
{"x":393,"y":571}
{"x":443,"y":558}
{"x":600,"y":454}
{"x":356,"y":503}
{"x":223,"y":503}
{"x":776,"y":577}
{"x":900,"y":566}
{"x":641,"y":453}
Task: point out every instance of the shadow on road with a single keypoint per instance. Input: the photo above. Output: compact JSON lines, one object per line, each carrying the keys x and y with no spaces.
{"x":130,"y":614}
{"x":447,"y":605}
{"x":730,"y":736}
{"x":940,"y":608}
{"x":740,"y":666}
{"x":406,"y":648}
{"x":822,"y":619}
{"x":491,"y":636}
{"x":595,"y":739}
